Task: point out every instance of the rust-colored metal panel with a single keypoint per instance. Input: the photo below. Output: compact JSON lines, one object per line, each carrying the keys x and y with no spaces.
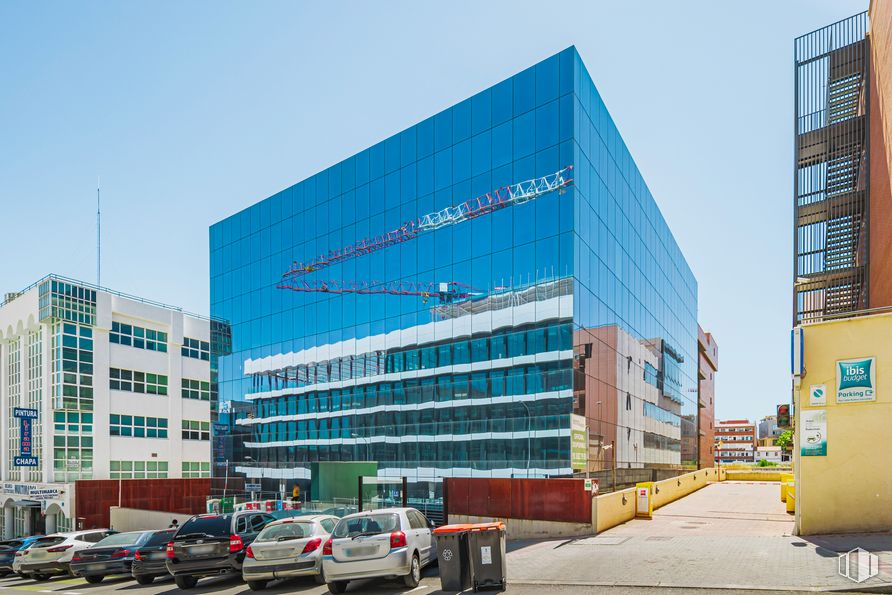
{"x":562,"y":500}
{"x":94,"y":498}
{"x":458,"y":494}
{"x":559,"y":500}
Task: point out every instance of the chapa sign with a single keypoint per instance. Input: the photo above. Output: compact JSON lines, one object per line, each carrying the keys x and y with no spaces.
{"x":856,"y":380}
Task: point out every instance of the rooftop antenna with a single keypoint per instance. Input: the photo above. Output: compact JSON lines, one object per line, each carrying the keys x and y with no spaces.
{"x":98,"y":237}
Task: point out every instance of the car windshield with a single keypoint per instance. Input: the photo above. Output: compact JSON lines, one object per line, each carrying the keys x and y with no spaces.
{"x":48,"y":541}
{"x":120,"y":539}
{"x":286,"y":531}
{"x":372,"y":524}
{"x":161,"y":537}
{"x":214,"y":526}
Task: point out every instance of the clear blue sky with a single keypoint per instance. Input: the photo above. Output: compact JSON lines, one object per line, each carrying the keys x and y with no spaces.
{"x":191,"y":111}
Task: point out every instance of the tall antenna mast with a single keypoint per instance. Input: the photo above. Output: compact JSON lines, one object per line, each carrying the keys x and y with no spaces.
{"x":98,"y":236}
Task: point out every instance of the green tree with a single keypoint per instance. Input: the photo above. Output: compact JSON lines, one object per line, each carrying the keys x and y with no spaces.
{"x":785,"y":440}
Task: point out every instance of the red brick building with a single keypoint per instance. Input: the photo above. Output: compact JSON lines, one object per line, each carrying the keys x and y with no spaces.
{"x":738,"y":440}
{"x":708,"y":365}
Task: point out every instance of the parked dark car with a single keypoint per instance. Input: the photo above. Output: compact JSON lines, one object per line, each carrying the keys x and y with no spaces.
{"x":212,"y":545}
{"x":8,"y":549}
{"x":150,"y":560}
{"x":112,"y":555}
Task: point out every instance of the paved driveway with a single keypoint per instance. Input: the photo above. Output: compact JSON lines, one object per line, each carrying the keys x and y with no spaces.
{"x":732,"y":535}
{"x":727,"y":508}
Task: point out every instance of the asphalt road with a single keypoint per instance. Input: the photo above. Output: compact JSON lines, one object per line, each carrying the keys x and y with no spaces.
{"x":223,"y":586}
{"x":231,"y":586}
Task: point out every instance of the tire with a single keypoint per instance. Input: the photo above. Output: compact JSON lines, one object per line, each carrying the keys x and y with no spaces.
{"x":40,"y":577}
{"x":337,"y":587}
{"x":185,"y":582}
{"x":257,"y":585}
{"x":94,"y":579}
{"x":320,"y":578}
{"x":412,"y":579}
{"x":145,"y":580}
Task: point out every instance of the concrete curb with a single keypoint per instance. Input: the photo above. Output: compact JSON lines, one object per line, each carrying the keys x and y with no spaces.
{"x":886,"y":588}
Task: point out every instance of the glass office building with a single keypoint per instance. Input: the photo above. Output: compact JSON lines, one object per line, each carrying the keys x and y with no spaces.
{"x":573,"y":310}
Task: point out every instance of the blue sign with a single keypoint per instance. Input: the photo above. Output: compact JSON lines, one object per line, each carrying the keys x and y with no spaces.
{"x":26,"y":425}
{"x":856,"y":380}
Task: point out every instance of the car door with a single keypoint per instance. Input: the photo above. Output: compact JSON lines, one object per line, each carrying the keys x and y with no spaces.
{"x":422,"y":535}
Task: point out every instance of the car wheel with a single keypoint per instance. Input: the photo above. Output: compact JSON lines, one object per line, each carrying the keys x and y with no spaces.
{"x":145,"y":580}
{"x":320,"y":578}
{"x":94,"y":579}
{"x":185,"y":582}
{"x":257,"y":585}
{"x":414,"y":577}
{"x":337,"y":587}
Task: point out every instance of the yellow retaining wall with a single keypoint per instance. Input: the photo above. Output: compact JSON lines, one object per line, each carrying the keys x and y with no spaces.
{"x":612,"y":511}
{"x":670,"y":490}
{"x":753,"y":475}
{"x":783,"y":468}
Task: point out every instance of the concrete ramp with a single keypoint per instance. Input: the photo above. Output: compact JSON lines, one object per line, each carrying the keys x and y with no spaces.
{"x":729,"y":535}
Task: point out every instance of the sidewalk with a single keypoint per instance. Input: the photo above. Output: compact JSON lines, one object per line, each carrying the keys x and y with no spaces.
{"x":726,"y":536}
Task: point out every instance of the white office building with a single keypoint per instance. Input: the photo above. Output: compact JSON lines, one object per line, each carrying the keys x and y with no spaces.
{"x":95,"y":384}
{"x":768,"y":427}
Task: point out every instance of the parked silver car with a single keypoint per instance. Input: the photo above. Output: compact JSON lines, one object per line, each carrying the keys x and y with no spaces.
{"x":391,"y":542}
{"x":288,"y":548}
{"x":52,"y":554}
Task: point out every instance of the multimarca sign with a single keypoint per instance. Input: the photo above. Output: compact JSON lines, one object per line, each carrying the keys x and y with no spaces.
{"x":856,"y":380}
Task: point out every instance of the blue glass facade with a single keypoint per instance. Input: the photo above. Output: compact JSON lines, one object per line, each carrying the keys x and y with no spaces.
{"x":583,"y":303}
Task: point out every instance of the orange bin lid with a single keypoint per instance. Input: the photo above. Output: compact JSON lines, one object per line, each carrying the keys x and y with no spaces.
{"x":454,"y":528}
{"x":496,"y":526}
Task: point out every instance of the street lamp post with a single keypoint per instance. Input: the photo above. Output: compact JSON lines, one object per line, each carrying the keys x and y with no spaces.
{"x":226,"y":479}
{"x":367,"y":445}
{"x":529,"y":438}
{"x":612,"y":447}
{"x":250,"y":459}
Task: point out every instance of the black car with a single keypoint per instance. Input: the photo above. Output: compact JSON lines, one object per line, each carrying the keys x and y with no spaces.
{"x":112,"y":555}
{"x":150,"y":560}
{"x":212,"y":544}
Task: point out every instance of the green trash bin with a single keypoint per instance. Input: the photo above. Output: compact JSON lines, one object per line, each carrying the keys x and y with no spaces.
{"x":486,"y":554}
{"x":452,"y":557}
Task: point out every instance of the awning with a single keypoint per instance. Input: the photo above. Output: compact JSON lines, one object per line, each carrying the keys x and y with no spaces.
{"x":26,"y":503}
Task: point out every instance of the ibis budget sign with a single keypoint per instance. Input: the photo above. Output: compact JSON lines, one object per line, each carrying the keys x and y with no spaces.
{"x":856,"y":380}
